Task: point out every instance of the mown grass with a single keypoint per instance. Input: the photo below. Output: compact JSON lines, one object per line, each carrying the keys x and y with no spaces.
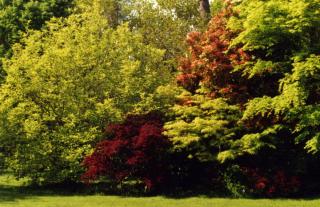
{"x":14,"y":194}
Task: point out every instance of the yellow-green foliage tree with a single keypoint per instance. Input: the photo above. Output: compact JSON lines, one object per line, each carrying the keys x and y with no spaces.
{"x":282,"y":38}
{"x":17,"y":16}
{"x":261,"y":56}
{"x":254,"y":86}
{"x":64,"y":84}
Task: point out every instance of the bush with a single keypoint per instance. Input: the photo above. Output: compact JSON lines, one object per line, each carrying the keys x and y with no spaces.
{"x":273,"y":183}
{"x":248,"y":181}
{"x":235,"y":181}
{"x":136,"y":151}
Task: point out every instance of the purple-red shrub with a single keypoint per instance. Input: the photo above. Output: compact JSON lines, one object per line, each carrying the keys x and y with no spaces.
{"x":274,"y":183}
{"x":136,"y":150}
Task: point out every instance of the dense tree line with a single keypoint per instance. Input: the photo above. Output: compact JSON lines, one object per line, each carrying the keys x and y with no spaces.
{"x":18,"y":16}
{"x":163,"y":94}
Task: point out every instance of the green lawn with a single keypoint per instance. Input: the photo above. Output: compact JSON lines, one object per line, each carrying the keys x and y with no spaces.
{"x":13,"y":195}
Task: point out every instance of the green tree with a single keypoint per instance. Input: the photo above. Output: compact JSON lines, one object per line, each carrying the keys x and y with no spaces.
{"x":203,"y":127}
{"x":205,"y":122}
{"x":166,"y":24}
{"x":258,"y":62}
{"x":283,"y":39}
{"x":162,"y":23}
{"x":262,"y":59}
{"x":115,"y":11}
{"x":65,"y":83}
{"x":17,"y":16}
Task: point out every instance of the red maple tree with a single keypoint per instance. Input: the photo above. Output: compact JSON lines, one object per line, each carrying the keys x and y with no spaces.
{"x":136,"y":150}
{"x":211,"y":61}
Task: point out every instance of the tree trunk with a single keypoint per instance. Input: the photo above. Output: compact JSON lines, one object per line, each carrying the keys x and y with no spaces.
{"x":204,"y":9}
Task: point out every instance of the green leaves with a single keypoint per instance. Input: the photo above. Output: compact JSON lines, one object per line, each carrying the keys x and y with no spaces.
{"x":273,"y":22}
{"x":18,"y":16}
{"x":279,"y":77}
{"x":297,"y":103}
{"x":203,"y":127}
{"x":251,"y":144}
{"x":65,"y":83}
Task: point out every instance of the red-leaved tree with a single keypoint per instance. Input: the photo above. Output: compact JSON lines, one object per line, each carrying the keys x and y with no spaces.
{"x":211,"y":62}
{"x":136,"y":150}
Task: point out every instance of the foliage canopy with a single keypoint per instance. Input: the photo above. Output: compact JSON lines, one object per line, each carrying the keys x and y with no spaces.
{"x":65,"y":83}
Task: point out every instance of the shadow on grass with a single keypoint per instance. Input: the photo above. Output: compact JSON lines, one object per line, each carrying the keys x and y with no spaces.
{"x":10,"y":194}
{"x":13,"y":193}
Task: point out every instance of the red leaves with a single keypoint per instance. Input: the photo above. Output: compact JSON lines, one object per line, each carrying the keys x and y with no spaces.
{"x":193,"y":37}
{"x":188,"y":81}
{"x":275,"y":183}
{"x":136,"y":151}
{"x":211,"y":61}
{"x":260,"y":185}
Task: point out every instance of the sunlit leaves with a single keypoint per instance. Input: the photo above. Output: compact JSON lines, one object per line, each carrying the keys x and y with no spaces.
{"x":65,"y":83}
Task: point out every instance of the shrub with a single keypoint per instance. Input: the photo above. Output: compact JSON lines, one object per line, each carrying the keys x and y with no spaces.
{"x":273,"y":183}
{"x":235,"y":181}
{"x":137,"y":150}
{"x":249,"y":181}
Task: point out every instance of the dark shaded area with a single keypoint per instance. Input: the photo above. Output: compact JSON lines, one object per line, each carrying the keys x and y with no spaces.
{"x":9,"y":193}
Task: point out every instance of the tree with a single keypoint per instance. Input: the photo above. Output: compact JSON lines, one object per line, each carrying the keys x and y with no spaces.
{"x":204,"y":9}
{"x":244,"y":61}
{"x":115,"y":11}
{"x":261,"y":59}
{"x":203,"y":128}
{"x":65,"y":83}
{"x":282,"y":38}
{"x":17,"y":16}
{"x":163,"y":23}
{"x":136,"y":150}
{"x":205,"y":121}
{"x":166,"y":24}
